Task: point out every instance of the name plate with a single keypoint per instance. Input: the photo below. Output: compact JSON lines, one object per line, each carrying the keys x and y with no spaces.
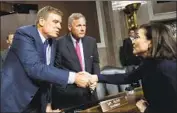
{"x":110,"y":104}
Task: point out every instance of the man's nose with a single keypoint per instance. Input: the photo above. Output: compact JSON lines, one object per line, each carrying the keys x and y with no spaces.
{"x":82,"y":28}
{"x":59,"y":26}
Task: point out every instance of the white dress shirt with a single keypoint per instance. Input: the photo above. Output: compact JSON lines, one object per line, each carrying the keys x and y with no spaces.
{"x":81,"y":50}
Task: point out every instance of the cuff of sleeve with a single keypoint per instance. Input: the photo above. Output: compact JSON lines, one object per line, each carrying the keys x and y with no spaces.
{"x":147,"y":110}
{"x":71,"y":78}
{"x":99,"y":77}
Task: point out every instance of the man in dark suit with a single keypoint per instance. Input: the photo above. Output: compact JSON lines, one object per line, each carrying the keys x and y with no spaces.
{"x":69,"y":58}
{"x":28,"y":69}
{"x":127,"y":52}
{"x":9,"y":41}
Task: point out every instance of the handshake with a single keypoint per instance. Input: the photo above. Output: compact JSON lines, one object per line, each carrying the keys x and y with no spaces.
{"x":85,"y":79}
{"x":82,"y":79}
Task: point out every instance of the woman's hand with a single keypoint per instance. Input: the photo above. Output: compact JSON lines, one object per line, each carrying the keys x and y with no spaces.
{"x":141,"y":104}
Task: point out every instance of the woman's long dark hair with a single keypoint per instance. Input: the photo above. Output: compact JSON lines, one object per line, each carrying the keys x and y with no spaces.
{"x":164,"y":44}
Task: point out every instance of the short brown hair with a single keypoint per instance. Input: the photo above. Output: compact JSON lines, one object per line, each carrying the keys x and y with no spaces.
{"x":43,"y":12}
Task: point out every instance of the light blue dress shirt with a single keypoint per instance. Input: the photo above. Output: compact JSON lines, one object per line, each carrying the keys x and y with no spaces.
{"x":71,"y":78}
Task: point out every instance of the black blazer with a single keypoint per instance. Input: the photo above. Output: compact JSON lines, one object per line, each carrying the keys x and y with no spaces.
{"x":66,"y":58}
{"x":159,"y":82}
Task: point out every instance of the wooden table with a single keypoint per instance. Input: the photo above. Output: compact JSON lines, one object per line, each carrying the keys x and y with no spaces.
{"x":129,"y":107}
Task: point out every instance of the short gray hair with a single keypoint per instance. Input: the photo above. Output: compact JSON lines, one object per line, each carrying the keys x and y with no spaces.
{"x":43,"y":13}
{"x":75,"y":16}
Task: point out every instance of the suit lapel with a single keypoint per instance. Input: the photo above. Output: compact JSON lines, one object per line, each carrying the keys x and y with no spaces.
{"x":38,"y":44}
{"x":85,"y":51}
{"x":72,"y":52}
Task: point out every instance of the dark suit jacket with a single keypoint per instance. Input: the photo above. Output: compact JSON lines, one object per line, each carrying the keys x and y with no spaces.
{"x":127,"y":54}
{"x":159,"y":82}
{"x":4,"y":54}
{"x":66,"y":58}
{"x":24,"y":71}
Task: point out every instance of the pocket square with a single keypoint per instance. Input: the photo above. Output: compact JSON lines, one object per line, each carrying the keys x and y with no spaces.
{"x":91,"y":56}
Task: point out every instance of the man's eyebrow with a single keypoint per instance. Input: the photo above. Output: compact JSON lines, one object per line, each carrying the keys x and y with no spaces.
{"x":56,"y":20}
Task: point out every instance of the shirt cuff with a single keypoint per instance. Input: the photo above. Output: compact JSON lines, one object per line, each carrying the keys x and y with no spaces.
{"x":71,"y":78}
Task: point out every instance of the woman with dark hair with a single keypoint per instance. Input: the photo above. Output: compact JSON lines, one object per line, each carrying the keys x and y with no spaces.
{"x":158,"y":72}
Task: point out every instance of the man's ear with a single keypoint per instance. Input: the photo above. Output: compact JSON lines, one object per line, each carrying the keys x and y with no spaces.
{"x":69,"y":27}
{"x":41,"y":21}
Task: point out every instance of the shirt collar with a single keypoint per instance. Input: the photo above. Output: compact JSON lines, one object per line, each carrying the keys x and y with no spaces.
{"x":42,"y":37}
{"x":132,"y":38}
{"x":73,"y":39}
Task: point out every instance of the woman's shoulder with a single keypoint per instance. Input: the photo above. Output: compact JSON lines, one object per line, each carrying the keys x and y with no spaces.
{"x":168,"y":66}
{"x":167,"y":63}
{"x":162,"y":64}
